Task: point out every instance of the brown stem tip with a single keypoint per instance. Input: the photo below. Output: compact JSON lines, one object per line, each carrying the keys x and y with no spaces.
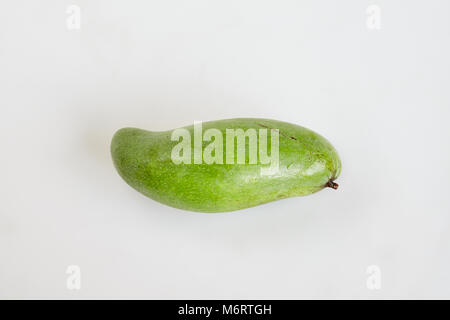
{"x":332,"y":184}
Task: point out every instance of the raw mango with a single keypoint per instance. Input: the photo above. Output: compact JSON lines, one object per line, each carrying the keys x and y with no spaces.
{"x":208,"y":167}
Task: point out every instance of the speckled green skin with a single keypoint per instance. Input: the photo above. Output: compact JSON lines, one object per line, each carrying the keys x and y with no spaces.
{"x":307,"y":162}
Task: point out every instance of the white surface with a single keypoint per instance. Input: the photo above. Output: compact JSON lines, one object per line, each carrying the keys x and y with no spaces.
{"x":381,"y":97}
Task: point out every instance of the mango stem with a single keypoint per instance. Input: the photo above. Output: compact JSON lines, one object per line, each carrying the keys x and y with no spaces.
{"x":332,"y":184}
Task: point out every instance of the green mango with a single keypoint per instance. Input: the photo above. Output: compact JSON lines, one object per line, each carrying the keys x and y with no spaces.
{"x":203,"y":171}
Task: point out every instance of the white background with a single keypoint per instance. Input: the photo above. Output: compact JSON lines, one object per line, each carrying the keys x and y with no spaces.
{"x":380,"y":96}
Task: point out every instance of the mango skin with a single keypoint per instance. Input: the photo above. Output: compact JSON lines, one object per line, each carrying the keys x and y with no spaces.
{"x":307,"y":163}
